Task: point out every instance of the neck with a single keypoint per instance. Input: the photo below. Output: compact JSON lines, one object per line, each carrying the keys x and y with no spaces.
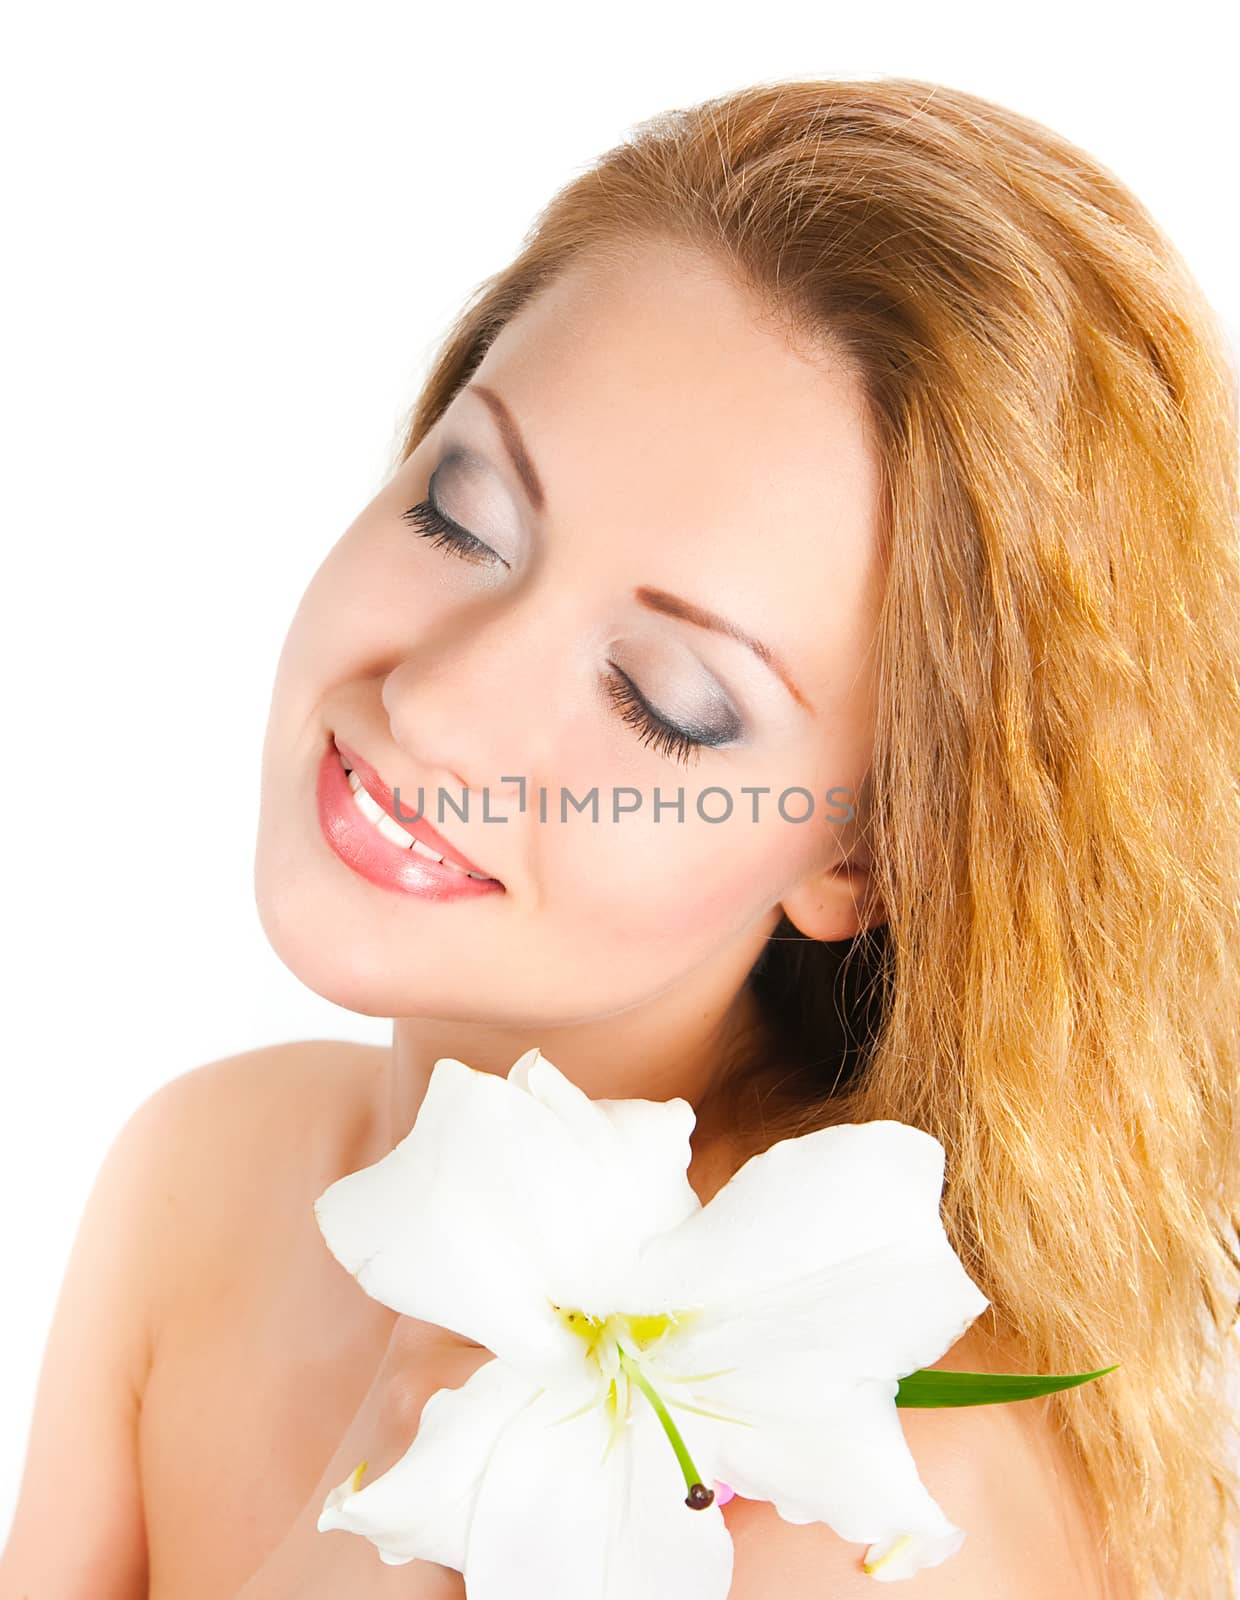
{"x":674,"y":1048}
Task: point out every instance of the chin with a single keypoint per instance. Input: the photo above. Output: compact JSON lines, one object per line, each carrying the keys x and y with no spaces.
{"x":320,"y":938}
{"x":353,"y":954}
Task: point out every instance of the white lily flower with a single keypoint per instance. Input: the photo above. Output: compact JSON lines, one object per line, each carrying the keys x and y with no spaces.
{"x":648,"y":1349}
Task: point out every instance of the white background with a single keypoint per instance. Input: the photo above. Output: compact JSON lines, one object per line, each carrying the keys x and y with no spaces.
{"x":235,"y":234}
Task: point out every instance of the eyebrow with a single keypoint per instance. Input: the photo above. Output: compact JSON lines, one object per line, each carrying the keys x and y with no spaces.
{"x":514,"y":443}
{"x":653,"y":599}
{"x":672,"y":606}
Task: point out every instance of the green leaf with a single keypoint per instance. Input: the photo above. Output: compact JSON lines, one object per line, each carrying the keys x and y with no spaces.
{"x":928,"y":1387}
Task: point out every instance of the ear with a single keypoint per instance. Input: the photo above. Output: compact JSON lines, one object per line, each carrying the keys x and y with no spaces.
{"x":839,"y":900}
{"x":836,"y":901}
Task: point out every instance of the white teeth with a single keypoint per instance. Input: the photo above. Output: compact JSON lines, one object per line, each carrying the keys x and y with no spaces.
{"x":391,"y":829}
{"x":370,"y":808}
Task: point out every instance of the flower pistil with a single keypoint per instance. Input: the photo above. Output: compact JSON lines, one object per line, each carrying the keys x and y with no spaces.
{"x":619,"y":1344}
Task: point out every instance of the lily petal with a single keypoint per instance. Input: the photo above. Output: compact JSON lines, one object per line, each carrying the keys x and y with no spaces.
{"x":824,"y":1450}
{"x":883,"y":1314}
{"x":503,"y":1198}
{"x":831,"y":1241}
{"x":905,"y":1554}
{"x":553,"y":1517}
{"x":421,"y":1508}
{"x":640,"y":1148}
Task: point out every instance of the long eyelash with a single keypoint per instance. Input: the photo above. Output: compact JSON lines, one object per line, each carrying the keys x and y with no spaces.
{"x":440,"y":530}
{"x":670,"y":741}
{"x":674,"y":742}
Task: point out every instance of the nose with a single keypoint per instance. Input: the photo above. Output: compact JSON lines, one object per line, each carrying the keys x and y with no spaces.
{"x":472,"y":701}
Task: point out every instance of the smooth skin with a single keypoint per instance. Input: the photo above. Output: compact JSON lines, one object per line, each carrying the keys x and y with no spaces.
{"x":683,"y":444}
{"x":158,"y":1419}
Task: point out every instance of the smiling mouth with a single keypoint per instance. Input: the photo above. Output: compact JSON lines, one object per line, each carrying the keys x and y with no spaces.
{"x":391,"y":830}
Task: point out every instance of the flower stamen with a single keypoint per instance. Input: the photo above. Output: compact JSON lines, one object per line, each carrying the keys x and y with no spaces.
{"x":716,"y":1416}
{"x":617,"y":1343}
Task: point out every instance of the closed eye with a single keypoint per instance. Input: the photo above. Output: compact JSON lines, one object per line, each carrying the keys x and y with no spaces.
{"x":676,"y":743}
{"x":440,"y":530}
{"x":663,"y":736}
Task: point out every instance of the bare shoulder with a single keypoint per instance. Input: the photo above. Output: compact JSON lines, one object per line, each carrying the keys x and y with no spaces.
{"x":239,"y":1139}
{"x":268,"y":1070}
{"x":240,"y":1094}
{"x":210,"y":1153}
{"x":1000,"y":1472}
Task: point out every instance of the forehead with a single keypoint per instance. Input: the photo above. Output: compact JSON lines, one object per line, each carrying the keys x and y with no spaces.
{"x":662,"y":409}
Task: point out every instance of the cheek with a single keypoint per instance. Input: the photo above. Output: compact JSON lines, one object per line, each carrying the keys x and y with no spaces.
{"x":642,"y":886}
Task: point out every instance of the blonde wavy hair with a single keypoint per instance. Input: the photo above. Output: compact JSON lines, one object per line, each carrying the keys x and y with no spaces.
{"x":1052,"y":810}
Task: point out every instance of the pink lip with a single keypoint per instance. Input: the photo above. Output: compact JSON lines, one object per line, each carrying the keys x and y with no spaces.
{"x":363,"y":847}
{"x":382,"y":796}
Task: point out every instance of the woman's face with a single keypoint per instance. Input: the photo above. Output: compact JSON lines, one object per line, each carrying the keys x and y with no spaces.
{"x":666,"y":447}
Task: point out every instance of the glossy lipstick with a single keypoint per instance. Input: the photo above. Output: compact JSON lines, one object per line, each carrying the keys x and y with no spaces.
{"x":360,"y":845}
